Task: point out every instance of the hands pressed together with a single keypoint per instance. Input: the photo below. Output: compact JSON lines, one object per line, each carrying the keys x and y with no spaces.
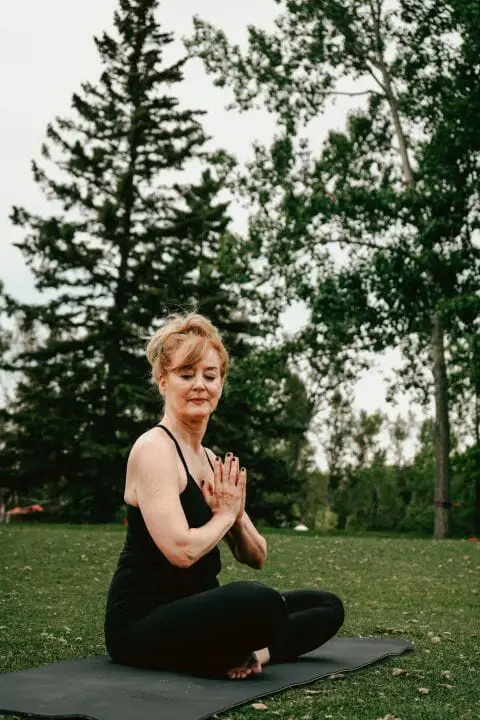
{"x":227,"y":493}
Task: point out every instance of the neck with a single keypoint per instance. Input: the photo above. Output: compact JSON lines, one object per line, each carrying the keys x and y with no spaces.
{"x":187,"y":432}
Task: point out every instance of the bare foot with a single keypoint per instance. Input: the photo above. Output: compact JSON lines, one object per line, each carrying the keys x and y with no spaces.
{"x":253,"y":666}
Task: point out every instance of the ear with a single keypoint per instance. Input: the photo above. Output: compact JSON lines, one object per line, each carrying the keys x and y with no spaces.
{"x":162,"y":381}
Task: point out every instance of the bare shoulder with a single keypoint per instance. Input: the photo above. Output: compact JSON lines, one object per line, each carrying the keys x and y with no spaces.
{"x":152,"y":457}
{"x":150,"y":442}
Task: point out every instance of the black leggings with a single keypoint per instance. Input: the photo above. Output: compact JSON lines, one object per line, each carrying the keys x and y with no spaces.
{"x":216,"y":630}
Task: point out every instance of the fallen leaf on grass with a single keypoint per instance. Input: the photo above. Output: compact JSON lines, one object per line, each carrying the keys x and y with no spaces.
{"x":424,"y":691}
{"x":399,"y":671}
{"x":446,"y":685}
{"x":389,"y":717}
{"x":336,"y":676}
{"x":312,"y":692}
{"x":446,"y":674}
{"x":259,"y":706}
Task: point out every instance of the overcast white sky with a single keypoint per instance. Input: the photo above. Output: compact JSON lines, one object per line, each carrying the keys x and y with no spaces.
{"x":47,"y":50}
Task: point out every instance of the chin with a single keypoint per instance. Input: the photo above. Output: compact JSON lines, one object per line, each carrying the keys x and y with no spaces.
{"x":199,"y":411}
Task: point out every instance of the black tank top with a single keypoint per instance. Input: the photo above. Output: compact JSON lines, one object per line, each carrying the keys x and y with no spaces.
{"x":144,"y":578}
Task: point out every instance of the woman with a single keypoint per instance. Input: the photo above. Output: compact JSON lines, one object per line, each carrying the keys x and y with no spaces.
{"x":165,"y":608}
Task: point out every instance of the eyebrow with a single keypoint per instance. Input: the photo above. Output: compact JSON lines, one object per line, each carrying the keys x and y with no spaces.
{"x":190,"y":367}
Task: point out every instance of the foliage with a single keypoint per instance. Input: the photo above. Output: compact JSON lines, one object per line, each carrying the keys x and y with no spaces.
{"x":395,"y":193}
{"x":127,"y":240}
{"x":381,"y":497}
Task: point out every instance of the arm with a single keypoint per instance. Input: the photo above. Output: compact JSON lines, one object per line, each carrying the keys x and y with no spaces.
{"x":246,"y":543}
{"x":155,"y":472}
{"x":243,"y":539}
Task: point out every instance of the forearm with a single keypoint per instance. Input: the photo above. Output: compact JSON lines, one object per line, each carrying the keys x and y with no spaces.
{"x":200,"y":541}
{"x":250,"y":546}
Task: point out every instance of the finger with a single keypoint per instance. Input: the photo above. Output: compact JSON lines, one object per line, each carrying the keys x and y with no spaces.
{"x":243,"y":478}
{"x":242,"y":481}
{"x":234,"y":471}
{"x":226,"y":466}
{"x":217,"y":471}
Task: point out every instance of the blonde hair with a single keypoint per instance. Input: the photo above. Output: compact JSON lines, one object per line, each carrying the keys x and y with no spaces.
{"x":194,"y":334}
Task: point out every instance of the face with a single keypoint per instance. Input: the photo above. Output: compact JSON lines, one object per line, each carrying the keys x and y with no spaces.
{"x":194,"y":392}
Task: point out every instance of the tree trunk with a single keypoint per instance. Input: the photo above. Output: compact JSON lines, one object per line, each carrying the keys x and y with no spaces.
{"x":442,"y":430}
{"x":442,"y":425}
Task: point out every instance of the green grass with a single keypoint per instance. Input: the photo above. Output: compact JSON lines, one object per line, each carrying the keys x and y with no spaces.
{"x":54,"y":579}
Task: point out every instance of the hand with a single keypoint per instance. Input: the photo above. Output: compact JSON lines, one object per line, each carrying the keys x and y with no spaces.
{"x":242,"y":472}
{"x":226,"y":496}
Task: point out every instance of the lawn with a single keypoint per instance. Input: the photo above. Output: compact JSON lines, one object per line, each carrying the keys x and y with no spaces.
{"x":53,"y":583}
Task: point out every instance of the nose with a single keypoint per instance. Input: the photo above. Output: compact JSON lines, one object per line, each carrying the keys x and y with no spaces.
{"x":198,"y":381}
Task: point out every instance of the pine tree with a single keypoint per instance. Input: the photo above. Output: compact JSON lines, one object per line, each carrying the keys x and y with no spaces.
{"x":130,"y":239}
{"x":219,"y":278}
{"x":121,"y":248}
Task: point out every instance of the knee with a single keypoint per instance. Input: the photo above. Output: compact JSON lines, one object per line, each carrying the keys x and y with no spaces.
{"x":272,"y":601}
{"x":271,"y":607}
{"x":263,"y":600}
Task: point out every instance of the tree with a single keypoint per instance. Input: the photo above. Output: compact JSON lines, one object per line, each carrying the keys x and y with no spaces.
{"x":397,"y":192}
{"x":6,"y":339}
{"x":126,"y":241}
{"x":357,"y":496}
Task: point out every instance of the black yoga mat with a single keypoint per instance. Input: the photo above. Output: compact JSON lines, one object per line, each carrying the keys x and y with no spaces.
{"x":97,"y":688}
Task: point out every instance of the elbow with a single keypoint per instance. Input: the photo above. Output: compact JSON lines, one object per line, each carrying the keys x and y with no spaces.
{"x":181,"y":560}
{"x":258,"y":562}
{"x":261,"y":562}
{"x":262,"y":557}
{"x":181,"y":556}
{"x":184,"y":558}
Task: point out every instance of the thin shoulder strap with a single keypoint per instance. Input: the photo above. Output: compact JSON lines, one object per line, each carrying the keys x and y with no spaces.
{"x":209,"y":461}
{"x":177,"y":446}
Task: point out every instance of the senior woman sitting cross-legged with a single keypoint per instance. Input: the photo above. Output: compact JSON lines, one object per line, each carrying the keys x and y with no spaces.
{"x":165,"y":607}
